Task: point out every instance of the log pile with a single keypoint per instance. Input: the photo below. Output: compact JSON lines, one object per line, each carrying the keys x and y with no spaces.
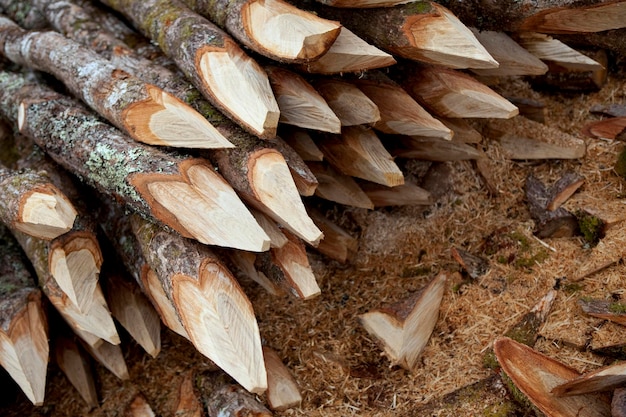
{"x":172,"y":172}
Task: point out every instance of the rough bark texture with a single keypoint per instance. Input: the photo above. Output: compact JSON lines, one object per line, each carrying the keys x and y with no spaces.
{"x":555,"y":223}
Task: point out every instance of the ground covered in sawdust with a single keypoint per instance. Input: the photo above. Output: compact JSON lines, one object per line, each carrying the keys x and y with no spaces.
{"x":338,"y":366}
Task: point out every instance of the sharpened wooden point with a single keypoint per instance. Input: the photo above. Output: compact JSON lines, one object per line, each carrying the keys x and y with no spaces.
{"x":288,"y":32}
{"x":293,"y":260}
{"x":282,"y":388}
{"x":75,"y":265}
{"x":444,"y":40}
{"x":46,"y":213}
{"x":165,"y":120}
{"x":242,"y":89}
{"x":275,"y":189}
{"x":76,"y":366}
{"x":349,"y":53}
{"x":224,"y":328}
{"x":111,"y":357}
{"x":550,"y":49}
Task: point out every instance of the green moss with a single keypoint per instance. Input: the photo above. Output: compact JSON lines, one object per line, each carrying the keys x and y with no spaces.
{"x":518,"y":396}
{"x":572,"y":287}
{"x":617,"y":308}
{"x":490,"y":361}
{"x":503,"y":409}
{"x":418,"y":7}
{"x":416,"y":271}
{"x":591,"y":227}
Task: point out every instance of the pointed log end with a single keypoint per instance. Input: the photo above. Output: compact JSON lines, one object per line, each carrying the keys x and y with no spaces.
{"x":46,"y":214}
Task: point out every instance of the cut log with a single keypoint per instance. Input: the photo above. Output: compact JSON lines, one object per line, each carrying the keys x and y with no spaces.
{"x":23,"y":322}
{"x":462,"y":130}
{"x":214,"y":310}
{"x":450,"y":93}
{"x":339,"y":188}
{"x":606,"y":310}
{"x":547,"y":142}
{"x":423,"y":31}
{"x":548,"y":223}
{"x":132,"y":309}
{"x":143,"y":111}
{"x":612,"y":128}
{"x":358,"y":152}
{"x":399,"y":112}
{"x":282,"y":390}
{"x":31,"y":204}
{"x":349,"y":54}
{"x":337,"y":244}
{"x":513,"y":58}
{"x":302,"y":142}
{"x":407,"y":194}
{"x":404,"y":328}
{"x":273,"y":28}
{"x":275,"y":233}
{"x":606,"y":378}
{"x":536,"y":375}
{"x":435,"y":149}
{"x":76,"y":365}
{"x":243,"y":264}
{"x":559,"y":78}
{"x":110,"y":356}
{"x":349,"y":104}
{"x":233,"y":82}
{"x":553,"y":50}
{"x":300,"y":104}
{"x":139,"y":407}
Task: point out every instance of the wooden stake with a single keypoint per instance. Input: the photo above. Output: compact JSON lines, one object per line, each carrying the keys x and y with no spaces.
{"x":244,"y":264}
{"x":337,"y":187}
{"x":233,"y":82}
{"x":450,"y":93}
{"x":110,"y":356}
{"x":349,"y":54}
{"x":400,"y":113}
{"x":547,"y":48}
{"x":359,"y":153}
{"x":407,"y":194}
{"x":536,"y":375}
{"x":300,"y":104}
{"x":435,"y":149}
{"x":348,"y":102}
{"x":404,"y":328}
{"x":275,"y":233}
{"x":337,"y":244}
{"x":76,"y":365}
{"x":302,"y":142}
{"x":23,"y":323}
{"x":282,"y":390}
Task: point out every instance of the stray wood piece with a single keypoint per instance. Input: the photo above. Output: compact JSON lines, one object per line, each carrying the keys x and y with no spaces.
{"x":300,"y":104}
{"x":282,"y":390}
{"x":273,"y":28}
{"x":453,"y":94}
{"x":547,"y":142}
{"x":612,"y":128}
{"x":302,"y":142}
{"x":536,"y":375}
{"x":513,"y":58}
{"x":618,"y":404}
{"x":548,"y":223}
{"x":338,"y":187}
{"x":399,"y":112}
{"x":348,"y":102}
{"x":349,"y":54}
{"x":359,"y":152}
{"x":232,"y":81}
{"x":23,"y":322}
{"x":188,"y":402}
{"x":407,"y":194}
{"x":606,"y":378}
{"x":606,"y":310}
{"x":475,"y":266}
{"x":563,"y":189}
{"x":32,"y":204}
{"x":233,"y":401}
{"x":76,"y":365}
{"x":139,"y":407}
{"x":404,"y":328}
{"x":611,"y":110}
{"x":338,"y":244}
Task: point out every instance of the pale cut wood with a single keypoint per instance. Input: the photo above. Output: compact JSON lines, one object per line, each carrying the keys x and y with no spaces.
{"x":434,"y":149}
{"x":547,"y":142}
{"x":338,"y":187}
{"x":348,"y":102}
{"x":536,"y":375}
{"x":300,"y":104}
{"x":277,"y":237}
{"x":273,"y":28}
{"x":32,"y":204}
{"x":405,"y":327}
{"x":462,"y":130}
{"x":349,"y":53}
{"x":592,"y":18}
{"x":606,"y":378}
{"x":76,"y":365}
{"x":243,"y":264}
{"x":303,"y":178}
{"x":23,"y":322}
{"x":550,"y":49}
{"x":513,"y":58}
{"x":604,"y":309}
{"x":164,"y":306}
{"x":302,"y":142}
{"x":139,"y":407}
{"x":143,"y":111}
{"x":110,"y":356}
{"x":214,"y":310}
{"x":407,"y":194}
{"x":232,"y":81}
{"x":282,"y":389}
{"x":563,"y":189}
{"x":453,"y":94}
{"x":399,"y":112}
{"x":292,"y":259}
{"x":337,"y":244}
{"x":548,"y":223}
{"x":133,"y":310}
{"x":359,"y":152}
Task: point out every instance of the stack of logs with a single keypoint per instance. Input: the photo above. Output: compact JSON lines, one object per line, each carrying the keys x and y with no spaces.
{"x":171,"y":161}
